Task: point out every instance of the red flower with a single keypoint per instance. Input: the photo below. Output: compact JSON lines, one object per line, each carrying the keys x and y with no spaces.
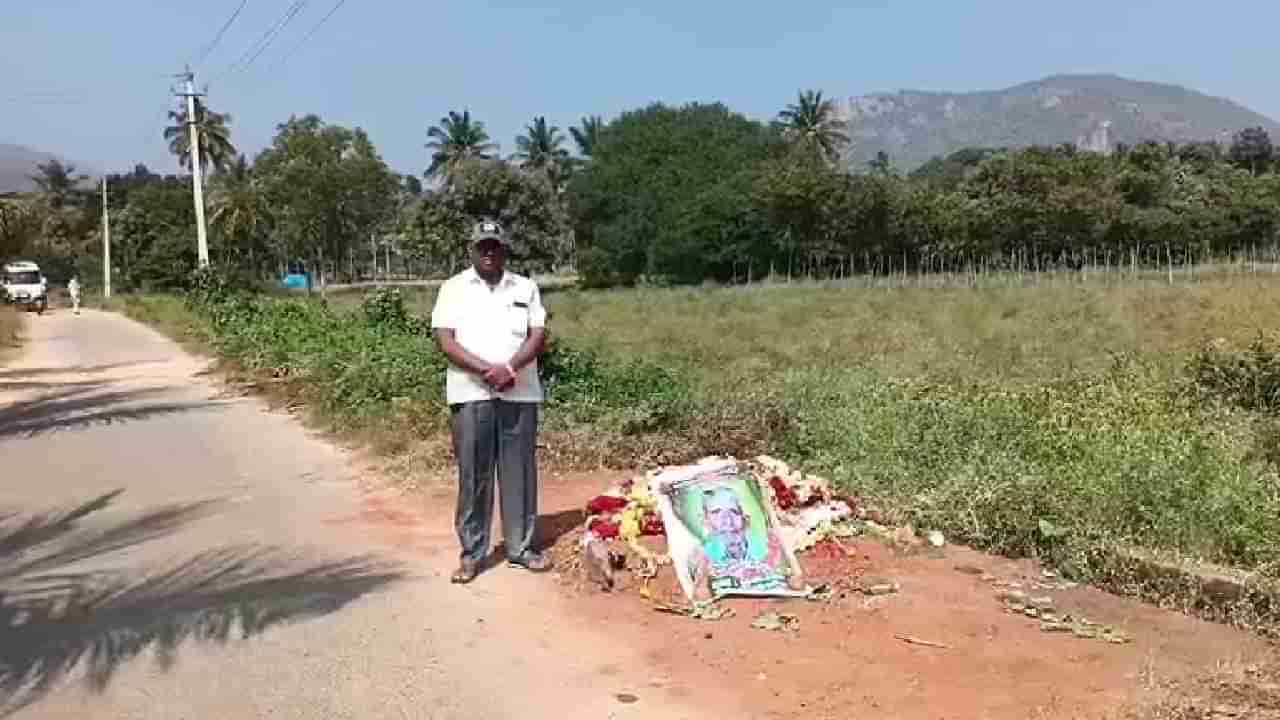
{"x":603,"y":528}
{"x":602,"y":504}
{"x":651,"y":524}
{"x":785,"y":496}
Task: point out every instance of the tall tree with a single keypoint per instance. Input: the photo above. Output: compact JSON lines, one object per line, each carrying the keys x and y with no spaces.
{"x":239,"y":212}
{"x":540,"y":145}
{"x":57,"y":181}
{"x":20,"y":223}
{"x":813,"y":122}
{"x":329,"y":189}
{"x":435,"y":228}
{"x":636,"y":202}
{"x":454,"y":141}
{"x":216,"y":150}
{"x":588,"y":135}
{"x":1252,"y":149}
{"x":539,"y":149}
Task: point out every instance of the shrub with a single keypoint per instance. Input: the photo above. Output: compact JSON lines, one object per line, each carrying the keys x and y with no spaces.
{"x":1055,"y":470}
{"x":1249,"y":378}
{"x":384,"y":308}
{"x":594,"y":269}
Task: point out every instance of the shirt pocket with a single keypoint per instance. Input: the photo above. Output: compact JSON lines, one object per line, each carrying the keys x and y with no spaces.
{"x":517,"y":319}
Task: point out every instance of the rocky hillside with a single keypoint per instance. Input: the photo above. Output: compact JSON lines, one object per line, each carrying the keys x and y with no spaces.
{"x":1093,"y":111}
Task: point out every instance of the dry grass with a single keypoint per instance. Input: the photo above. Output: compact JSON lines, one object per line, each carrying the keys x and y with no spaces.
{"x":1234,"y":691}
{"x":1020,"y":333}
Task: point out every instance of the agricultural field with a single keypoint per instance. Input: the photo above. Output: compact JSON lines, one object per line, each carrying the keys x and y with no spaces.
{"x":1007,"y":328}
{"x":1056,"y":421}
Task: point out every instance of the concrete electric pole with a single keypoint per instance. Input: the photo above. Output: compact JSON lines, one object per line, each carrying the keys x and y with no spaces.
{"x":197,"y":185}
{"x":106,"y":242}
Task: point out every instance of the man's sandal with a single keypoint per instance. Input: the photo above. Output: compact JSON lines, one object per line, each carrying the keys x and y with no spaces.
{"x":531,"y":561}
{"x":463,"y":575}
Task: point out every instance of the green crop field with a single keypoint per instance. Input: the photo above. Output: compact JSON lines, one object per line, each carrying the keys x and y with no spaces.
{"x":1059,"y":421}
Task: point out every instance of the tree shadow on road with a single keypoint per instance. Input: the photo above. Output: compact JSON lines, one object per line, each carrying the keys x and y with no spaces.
{"x":32,"y":544}
{"x":38,"y":385}
{"x":26,"y":373}
{"x":81,"y":407}
{"x":56,"y":619}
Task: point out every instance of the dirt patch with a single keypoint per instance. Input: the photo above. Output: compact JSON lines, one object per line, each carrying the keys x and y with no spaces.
{"x":940,"y":644}
{"x":1240,"y":691}
{"x":10,"y":334}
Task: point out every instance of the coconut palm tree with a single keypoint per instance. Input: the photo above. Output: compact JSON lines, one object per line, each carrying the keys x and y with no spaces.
{"x":813,"y":122}
{"x":216,"y":150}
{"x":587,"y":135}
{"x":59,"y":183}
{"x":238,"y":209}
{"x":539,"y":149}
{"x":454,"y":141}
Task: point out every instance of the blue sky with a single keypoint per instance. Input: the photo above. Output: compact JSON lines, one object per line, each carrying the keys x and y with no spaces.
{"x":89,"y":81}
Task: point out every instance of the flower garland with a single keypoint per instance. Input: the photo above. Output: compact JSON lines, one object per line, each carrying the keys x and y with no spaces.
{"x":629,"y":512}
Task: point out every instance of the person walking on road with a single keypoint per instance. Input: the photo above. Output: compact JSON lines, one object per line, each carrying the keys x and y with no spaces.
{"x":73,"y":288}
{"x":491,"y":325}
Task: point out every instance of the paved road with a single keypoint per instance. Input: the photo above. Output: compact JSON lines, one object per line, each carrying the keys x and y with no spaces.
{"x":170,"y":552}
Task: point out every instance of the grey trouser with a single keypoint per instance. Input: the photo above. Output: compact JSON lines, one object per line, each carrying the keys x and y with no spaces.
{"x":495,"y":437}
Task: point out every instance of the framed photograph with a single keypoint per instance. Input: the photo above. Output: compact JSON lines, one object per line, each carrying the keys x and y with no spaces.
{"x":722,"y":533}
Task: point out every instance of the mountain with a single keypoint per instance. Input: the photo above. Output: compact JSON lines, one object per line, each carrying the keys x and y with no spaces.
{"x":18,"y":163}
{"x":1093,"y":111}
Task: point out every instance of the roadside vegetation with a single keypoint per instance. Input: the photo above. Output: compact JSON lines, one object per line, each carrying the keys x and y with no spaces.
{"x":1067,"y":424}
{"x":10,"y":332}
{"x":1036,"y":351}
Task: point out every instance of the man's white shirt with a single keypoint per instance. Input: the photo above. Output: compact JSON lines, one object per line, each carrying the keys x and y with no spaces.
{"x":492,"y":324}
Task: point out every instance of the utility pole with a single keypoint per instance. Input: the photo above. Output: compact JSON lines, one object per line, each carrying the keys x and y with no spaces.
{"x":197,"y":185}
{"x":106,"y":242}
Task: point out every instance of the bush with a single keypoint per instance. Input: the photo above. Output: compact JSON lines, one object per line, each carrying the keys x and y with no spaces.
{"x":1249,"y":378}
{"x":595,"y":269}
{"x":637,"y":396}
{"x":379,"y":360}
{"x":385,"y":309}
{"x":1054,"y":470}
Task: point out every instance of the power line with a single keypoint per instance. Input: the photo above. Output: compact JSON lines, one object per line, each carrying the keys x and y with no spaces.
{"x":264,"y":42}
{"x":218,"y":38}
{"x":288,"y":18}
{"x":313,"y":30}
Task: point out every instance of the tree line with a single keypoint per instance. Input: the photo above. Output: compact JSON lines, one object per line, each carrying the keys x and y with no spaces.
{"x":700,"y":192}
{"x":658,"y":194}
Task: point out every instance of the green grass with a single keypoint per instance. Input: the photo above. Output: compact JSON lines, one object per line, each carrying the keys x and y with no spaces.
{"x":990,"y":334}
{"x":1056,"y":422}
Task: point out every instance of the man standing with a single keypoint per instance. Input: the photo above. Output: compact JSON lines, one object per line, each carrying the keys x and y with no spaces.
{"x":73,"y":288}
{"x":490,"y":323}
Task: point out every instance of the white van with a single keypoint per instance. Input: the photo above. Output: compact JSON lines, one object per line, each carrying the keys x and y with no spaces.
{"x":25,"y":286}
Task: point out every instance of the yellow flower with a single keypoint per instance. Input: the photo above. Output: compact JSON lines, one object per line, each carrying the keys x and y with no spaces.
{"x":629,"y":526}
